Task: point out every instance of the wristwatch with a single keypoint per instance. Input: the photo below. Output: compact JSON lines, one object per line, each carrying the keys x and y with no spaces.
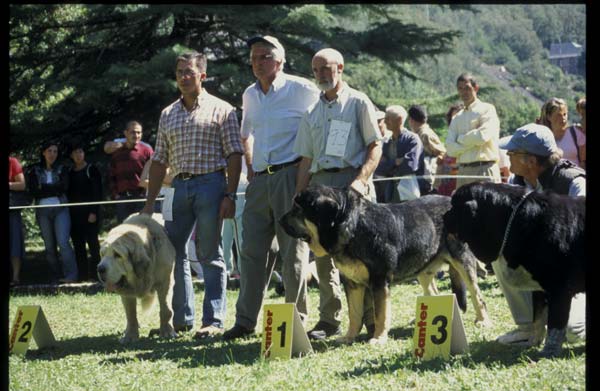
{"x":231,"y":196}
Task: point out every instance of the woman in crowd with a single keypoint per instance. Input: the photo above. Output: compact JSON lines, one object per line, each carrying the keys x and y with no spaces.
{"x":570,"y":139}
{"x":16,"y":183}
{"x":48,"y":182}
{"x":85,"y":185}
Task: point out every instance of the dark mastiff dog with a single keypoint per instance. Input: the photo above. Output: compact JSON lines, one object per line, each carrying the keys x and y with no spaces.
{"x":371,"y":243}
{"x":544,"y":243}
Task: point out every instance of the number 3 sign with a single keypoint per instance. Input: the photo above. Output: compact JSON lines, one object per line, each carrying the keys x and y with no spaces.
{"x":283,"y":333}
{"x":30,"y":322}
{"x":439,"y":330}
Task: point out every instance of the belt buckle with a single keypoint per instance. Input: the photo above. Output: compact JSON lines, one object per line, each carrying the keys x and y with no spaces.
{"x":269,"y":171}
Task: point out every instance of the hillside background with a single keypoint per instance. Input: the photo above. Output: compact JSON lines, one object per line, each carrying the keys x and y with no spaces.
{"x":85,"y":70}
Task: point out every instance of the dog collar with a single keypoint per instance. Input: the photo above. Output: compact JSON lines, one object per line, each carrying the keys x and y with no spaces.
{"x":510,"y":220}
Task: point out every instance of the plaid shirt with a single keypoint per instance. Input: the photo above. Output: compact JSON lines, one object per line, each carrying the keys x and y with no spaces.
{"x":198,"y":141}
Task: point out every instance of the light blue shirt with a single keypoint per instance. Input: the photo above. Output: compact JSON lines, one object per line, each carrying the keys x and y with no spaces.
{"x":273,"y":118}
{"x":351,"y":107}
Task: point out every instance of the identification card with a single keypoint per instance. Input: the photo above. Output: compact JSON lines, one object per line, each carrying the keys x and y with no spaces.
{"x":167,"y":204}
{"x":338,"y":138}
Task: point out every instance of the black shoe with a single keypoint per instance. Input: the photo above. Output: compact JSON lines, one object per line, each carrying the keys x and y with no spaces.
{"x":323,"y":330}
{"x":236,"y":332}
{"x":184,"y":328}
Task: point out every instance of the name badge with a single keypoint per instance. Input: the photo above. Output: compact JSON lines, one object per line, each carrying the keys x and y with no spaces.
{"x":167,"y":204}
{"x":338,"y":138}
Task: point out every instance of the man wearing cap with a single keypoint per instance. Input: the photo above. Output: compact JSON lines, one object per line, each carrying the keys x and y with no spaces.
{"x":340,"y":144}
{"x":536,"y":162}
{"x":199,"y":140}
{"x":473,"y":135}
{"x":273,"y":107}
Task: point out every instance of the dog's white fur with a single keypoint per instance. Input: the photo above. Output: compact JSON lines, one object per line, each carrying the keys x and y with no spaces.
{"x":137,"y":263}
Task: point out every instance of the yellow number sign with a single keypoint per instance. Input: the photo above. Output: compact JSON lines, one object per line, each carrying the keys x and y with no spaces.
{"x":29,"y":322}
{"x":439,"y":330}
{"x":283,"y":333}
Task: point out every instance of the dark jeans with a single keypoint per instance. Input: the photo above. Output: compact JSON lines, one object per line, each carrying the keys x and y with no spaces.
{"x":83,"y":232}
{"x":127,"y":208}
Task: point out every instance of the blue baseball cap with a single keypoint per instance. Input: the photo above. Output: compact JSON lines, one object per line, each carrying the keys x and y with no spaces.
{"x":532,"y":138}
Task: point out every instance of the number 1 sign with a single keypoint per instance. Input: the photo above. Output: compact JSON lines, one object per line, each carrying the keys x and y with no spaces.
{"x":30,"y":322}
{"x":283,"y":333}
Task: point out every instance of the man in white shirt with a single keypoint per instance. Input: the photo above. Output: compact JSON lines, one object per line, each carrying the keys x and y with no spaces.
{"x":473,"y":135}
{"x":273,"y":107}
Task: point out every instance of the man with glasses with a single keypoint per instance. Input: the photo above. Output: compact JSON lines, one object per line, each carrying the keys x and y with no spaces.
{"x":340,"y":144}
{"x":473,"y":135}
{"x":273,"y":107}
{"x":536,"y":162}
{"x":199,"y":140}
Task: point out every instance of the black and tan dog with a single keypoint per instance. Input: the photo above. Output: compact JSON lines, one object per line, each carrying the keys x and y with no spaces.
{"x":546,"y":239}
{"x":373,"y":243}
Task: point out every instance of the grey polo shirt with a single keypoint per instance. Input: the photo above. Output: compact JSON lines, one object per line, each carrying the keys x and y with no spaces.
{"x":353,"y":115}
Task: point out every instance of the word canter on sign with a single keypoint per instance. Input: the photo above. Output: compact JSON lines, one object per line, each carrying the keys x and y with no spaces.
{"x":422,"y":325}
{"x":269,"y":333}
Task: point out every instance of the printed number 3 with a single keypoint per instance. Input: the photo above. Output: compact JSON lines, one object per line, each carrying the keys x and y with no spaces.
{"x":27,"y":328}
{"x":441,"y":329}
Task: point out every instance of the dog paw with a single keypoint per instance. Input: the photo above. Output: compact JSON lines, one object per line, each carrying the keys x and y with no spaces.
{"x":168,"y":332}
{"x":378,"y":341}
{"x":129,"y":338}
{"x":484,"y":323}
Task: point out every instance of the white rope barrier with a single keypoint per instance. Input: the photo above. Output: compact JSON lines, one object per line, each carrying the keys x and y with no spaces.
{"x":239,"y":194}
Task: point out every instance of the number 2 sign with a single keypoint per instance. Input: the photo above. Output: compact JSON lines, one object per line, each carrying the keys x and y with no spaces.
{"x":439,"y":330}
{"x":30,"y":322}
{"x":283,"y":333}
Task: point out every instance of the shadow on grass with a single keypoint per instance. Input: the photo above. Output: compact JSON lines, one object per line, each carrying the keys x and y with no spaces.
{"x":490,"y":354}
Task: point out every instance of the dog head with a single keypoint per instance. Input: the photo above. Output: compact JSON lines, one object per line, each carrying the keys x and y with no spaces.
{"x":125,"y":260}
{"x":320,"y":217}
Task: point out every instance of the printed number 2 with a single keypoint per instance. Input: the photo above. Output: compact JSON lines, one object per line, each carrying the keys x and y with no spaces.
{"x":281,"y":329}
{"x":27,"y":328}
{"x":441,"y":329}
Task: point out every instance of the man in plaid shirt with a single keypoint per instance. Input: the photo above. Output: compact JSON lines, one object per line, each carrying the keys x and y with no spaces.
{"x":199,"y":139}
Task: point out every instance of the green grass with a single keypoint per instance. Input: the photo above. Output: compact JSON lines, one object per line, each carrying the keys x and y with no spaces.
{"x":89,"y":356}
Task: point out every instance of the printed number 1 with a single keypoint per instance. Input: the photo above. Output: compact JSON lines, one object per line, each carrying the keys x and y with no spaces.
{"x":281,"y":329}
{"x":441,"y":329}
{"x":27,"y":327}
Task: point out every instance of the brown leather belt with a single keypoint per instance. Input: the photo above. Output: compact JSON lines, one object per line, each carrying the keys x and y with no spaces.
{"x":273,"y":168}
{"x":476,"y":164}
{"x":184,"y":176}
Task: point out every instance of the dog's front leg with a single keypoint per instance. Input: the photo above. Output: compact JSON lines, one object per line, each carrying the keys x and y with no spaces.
{"x":132,"y":330}
{"x":355,"y":294}
{"x":559,"y":305}
{"x":165,"y":297}
{"x":383,"y":314}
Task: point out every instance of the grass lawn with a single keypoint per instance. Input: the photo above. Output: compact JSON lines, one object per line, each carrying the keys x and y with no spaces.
{"x":89,"y":356}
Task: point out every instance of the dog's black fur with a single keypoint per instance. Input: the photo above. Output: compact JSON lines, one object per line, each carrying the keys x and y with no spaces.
{"x":371,"y":243}
{"x":546,"y":237}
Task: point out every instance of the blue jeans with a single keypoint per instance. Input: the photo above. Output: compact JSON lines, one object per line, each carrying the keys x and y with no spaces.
{"x":197,"y":200}
{"x":55,"y":226}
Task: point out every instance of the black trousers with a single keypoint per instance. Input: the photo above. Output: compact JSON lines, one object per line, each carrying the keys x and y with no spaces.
{"x":83,"y":232}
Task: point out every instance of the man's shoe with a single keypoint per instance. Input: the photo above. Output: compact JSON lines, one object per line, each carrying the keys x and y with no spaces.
{"x":323,"y":330}
{"x":183,"y":328}
{"x":208,"y":331}
{"x":524,"y":336}
{"x":236,"y":332}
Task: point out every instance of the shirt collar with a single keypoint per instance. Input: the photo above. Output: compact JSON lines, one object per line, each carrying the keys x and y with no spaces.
{"x":277,"y":83}
{"x":342,"y":94}
{"x":470,"y":107}
{"x":201,"y":97}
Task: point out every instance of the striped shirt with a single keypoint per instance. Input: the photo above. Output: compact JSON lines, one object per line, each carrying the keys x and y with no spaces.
{"x":197,"y":141}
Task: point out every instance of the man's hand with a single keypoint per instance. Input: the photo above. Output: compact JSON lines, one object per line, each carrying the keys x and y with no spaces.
{"x":360,"y":186}
{"x":92,"y":218}
{"x":147,"y":209}
{"x":249,"y":173}
{"x":227,"y":209}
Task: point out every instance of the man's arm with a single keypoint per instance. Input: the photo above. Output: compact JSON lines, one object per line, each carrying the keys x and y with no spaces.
{"x":367,"y":169}
{"x":234,"y":168}
{"x":303,"y":175}
{"x":111,"y":146}
{"x":156,"y":175}
{"x":488,"y":129}
{"x":248,"y":144}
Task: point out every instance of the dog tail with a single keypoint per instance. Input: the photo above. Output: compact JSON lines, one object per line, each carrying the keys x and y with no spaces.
{"x":147,"y":301}
{"x":459,"y":288}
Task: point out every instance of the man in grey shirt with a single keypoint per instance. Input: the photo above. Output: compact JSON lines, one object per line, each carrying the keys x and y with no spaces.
{"x":340,"y":144}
